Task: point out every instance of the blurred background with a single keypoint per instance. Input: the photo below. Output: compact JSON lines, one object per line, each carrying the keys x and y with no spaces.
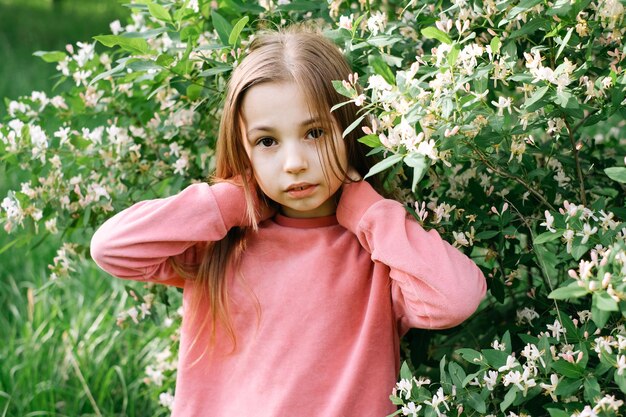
{"x":61,"y":352}
{"x":27,"y":26}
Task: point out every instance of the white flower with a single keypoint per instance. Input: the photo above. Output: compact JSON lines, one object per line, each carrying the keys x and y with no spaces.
{"x":181,"y":165}
{"x":511,"y":363}
{"x":621,"y":364}
{"x":526,"y":315}
{"x":115,"y":27}
{"x":460,"y":240}
{"x":498,"y":346}
{"x":587,"y":232}
{"x":63,"y":134}
{"x":557,"y":329}
{"x":550,"y":388}
{"x":404,"y":386}
{"x":587,"y":412}
{"x":346,"y":22}
{"x":437,"y":400}
{"x":377,"y":22}
{"x":568,"y":238}
{"x":608,"y":402}
{"x":411,"y":410}
{"x":548,"y":224}
{"x":513,"y":378}
{"x":502,"y":104}
{"x":193,"y":5}
{"x":377,"y":82}
{"x":491,"y":379}
{"x":166,"y":400}
{"x":51,"y":226}
{"x":80,"y":77}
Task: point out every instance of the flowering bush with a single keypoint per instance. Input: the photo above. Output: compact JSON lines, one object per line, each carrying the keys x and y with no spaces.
{"x":499,"y":124}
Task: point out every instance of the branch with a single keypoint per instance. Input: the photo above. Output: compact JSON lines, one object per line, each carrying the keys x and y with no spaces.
{"x":579,"y":171}
{"x":517,"y":179}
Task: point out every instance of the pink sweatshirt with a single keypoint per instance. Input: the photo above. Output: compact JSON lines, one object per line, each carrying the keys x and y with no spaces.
{"x":335,"y":293}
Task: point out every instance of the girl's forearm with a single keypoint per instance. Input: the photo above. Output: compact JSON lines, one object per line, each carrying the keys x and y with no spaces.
{"x":137,"y":242}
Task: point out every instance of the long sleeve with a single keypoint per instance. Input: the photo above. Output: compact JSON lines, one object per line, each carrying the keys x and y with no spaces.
{"x":433,"y":285}
{"x":136,"y":243}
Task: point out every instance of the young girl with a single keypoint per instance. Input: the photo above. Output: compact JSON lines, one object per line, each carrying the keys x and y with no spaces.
{"x":299,"y":278}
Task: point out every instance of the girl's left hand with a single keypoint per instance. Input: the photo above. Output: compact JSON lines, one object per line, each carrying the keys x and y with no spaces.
{"x":353,"y":175}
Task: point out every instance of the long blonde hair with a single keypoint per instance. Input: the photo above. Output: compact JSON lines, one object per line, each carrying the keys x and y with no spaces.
{"x":296,"y":55}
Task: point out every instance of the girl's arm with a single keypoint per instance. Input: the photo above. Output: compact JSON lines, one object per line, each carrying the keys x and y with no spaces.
{"x":136,"y":243}
{"x":433,"y":285}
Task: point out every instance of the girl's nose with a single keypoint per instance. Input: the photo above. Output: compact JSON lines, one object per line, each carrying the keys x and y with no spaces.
{"x":295,"y":159}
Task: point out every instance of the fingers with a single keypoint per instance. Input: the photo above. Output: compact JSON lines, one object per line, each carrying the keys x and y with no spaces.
{"x":353,"y":175}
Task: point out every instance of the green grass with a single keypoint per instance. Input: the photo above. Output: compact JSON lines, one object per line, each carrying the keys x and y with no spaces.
{"x":62,"y":352}
{"x":27,"y":26}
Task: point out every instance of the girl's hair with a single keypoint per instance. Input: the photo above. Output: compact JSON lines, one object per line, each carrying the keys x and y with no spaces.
{"x":296,"y":55}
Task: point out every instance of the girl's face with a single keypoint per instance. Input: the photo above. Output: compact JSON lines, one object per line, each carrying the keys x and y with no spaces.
{"x":281,"y":138}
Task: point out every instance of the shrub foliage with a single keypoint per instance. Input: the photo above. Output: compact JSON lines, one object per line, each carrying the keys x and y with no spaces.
{"x":500,"y":124}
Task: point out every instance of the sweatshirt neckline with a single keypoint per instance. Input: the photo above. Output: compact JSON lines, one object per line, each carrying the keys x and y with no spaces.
{"x":307,"y":223}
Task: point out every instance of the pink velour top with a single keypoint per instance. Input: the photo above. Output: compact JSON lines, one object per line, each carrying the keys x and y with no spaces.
{"x":318,"y":309}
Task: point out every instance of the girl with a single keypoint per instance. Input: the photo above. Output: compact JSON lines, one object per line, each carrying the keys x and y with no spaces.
{"x":299,"y":278}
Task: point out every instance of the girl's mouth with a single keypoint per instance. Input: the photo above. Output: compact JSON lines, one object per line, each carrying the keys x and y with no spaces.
{"x":301,"y":190}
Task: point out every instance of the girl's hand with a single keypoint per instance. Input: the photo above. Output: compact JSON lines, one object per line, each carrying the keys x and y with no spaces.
{"x":352,"y":175}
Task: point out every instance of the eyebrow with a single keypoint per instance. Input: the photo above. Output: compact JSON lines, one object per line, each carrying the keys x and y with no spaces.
{"x":270,"y":129}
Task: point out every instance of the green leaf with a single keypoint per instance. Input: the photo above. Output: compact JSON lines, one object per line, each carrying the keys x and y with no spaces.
{"x":352,"y":126}
{"x":106,"y":74}
{"x":592,"y":389}
{"x":495,"y":44}
{"x":599,"y":317}
{"x":578,"y":251}
{"x":568,"y":35}
{"x":530,"y":27}
{"x":381,"y":68}
{"x":165,"y":60}
{"x":470,"y":355}
{"x":535,"y":97}
{"x":234,"y":34}
{"x":215,"y":70}
{"x":571,"y":291}
{"x":567,"y":369}
{"x":222,"y":27}
{"x":405,"y":372}
{"x":453,"y":54}
{"x":132,"y":45}
{"x":495,"y":358}
{"x":51,"y":56}
{"x":341,"y":89}
{"x":194,"y":91}
{"x":522,"y":7}
{"x":508,"y":399}
{"x":555,"y":412}
{"x":475,"y":401}
{"x":546,"y":237}
{"x":457,"y":374}
{"x":487,"y":234}
{"x":604,"y":302}
{"x":419,"y":164}
{"x":384,"y":164}
{"x":372,"y":140}
{"x":159,"y":12}
{"x":568,"y":387}
{"x":432,"y":32}
{"x":616,"y":173}
{"x":620,"y":380}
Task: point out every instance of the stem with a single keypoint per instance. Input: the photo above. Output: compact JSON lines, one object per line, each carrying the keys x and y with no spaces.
{"x":517,"y":179}
{"x":579,"y":171}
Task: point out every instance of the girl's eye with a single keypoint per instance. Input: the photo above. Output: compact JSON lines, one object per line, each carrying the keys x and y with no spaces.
{"x":315,"y":133}
{"x":265,"y":142}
